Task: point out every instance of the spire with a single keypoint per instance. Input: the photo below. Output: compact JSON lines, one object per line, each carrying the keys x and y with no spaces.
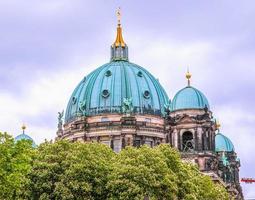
{"x":119,"y":49}
{"x":188,"y":76}
{"x":217,"y":123}
{"x":119,"y":38}
{"x":23,"y":127}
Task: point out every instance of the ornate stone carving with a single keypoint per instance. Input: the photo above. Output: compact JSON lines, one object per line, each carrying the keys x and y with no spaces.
{"x":167,"y":109}
{"x":211,"y":164}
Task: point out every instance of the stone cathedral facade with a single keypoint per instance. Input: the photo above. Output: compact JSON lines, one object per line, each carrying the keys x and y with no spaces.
{"x":120,"y":104}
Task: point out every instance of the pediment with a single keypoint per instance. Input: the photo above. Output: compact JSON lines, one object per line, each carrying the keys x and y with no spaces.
{"x":185,"y":119}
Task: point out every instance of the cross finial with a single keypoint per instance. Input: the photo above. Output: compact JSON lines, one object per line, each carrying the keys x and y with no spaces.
{"x":118,"y":13}
{"x":23,"y":127}
{"x":188,"y":76}
{"x":218,"y":125}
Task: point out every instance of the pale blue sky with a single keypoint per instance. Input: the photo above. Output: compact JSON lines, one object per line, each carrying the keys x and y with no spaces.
{"x":46,"y":47}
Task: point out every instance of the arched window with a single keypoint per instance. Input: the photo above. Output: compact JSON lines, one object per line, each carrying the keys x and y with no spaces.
{"x":187,"y":141}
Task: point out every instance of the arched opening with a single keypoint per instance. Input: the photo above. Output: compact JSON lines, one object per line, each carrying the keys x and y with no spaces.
{"x":187,"y":141}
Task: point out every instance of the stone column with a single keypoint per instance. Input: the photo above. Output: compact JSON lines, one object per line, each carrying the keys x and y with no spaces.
{"x":213,"y":140}
{"x":195,"y":139}
{"x":179,"y":139}
{"x":129,"y":140}
{"x":123,"y":141}
{"x":175,"y":138}
{"x":199,"y":138}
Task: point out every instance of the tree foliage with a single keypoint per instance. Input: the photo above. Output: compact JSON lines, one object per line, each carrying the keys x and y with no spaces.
{"x":65,"y":170}
{"x":74,"y":171}
{"x":15,"y":165}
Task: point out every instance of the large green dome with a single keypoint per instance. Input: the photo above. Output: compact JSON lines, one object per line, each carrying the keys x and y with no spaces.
{"x":105,"y":89}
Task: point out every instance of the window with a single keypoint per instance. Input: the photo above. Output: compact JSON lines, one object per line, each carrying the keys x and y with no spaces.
{"x":116,"y":146}
{"x":108,"y":73}
{"x":106,"y":142}
{"x":140,"y":74}
{"x":105,"y":93}
{"x":137,"y":143}
{"x":105,"y":119}
{"x":146,"y":94}
{"x":147,"y":120}
{"x":74,"y":100}
{"x":148,"y":143}
{"x":187,"y":141}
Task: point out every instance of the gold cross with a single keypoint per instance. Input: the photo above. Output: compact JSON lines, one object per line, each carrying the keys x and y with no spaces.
{"x":118,"y":15}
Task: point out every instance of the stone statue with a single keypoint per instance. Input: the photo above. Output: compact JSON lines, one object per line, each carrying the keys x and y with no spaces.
{"x":60,"y":120}
{"x":82,"y":107}
{"x":166,"y":109}
{"x":211,"y":164}
{"x":127,"y":106}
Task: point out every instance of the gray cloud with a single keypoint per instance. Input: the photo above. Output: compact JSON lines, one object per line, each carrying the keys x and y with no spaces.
{"x":46,"y":47}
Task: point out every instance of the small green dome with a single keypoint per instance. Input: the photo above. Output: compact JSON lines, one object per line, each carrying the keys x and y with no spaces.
{"x":105,"y":89}
{"x":24,"y":136}
{"x":189,"y":98}
{"x":223,"y":143}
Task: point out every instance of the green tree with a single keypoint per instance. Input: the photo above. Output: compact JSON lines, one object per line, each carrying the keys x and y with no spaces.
{"x":159,"y":173}
{"x":64,"y":170}
{"x":142,"y":172}
{"x":90,"y":164}
{"x":15,"y":164}
{"x":192,"y":184}
{"x":48,"y":169}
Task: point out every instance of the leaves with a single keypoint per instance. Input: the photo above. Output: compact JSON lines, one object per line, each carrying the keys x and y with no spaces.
{"x":15,"y":164}
{"x":74,"y":171}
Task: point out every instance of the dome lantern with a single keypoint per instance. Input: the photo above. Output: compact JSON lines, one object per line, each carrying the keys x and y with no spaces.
{"x":119,"y":49}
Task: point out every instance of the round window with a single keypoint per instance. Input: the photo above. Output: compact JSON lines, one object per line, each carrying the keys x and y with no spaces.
{"x":105,"y":93}
{"x":146,"y":94}
{"x":108,"y":73}
{"x":74,"y":100}
{"x":140,"y":74}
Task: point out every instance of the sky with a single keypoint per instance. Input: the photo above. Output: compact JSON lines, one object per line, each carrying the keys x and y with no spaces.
{"x":47,"y":47}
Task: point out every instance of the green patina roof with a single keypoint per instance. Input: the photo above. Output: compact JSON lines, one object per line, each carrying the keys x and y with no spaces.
{"x":104,"y":90}
{"x":24,"y":136}
{"x":189,"y":98}
{"x":223,"y":143}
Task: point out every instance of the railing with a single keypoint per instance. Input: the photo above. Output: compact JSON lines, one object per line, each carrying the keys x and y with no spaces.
{"x":117,"y":109}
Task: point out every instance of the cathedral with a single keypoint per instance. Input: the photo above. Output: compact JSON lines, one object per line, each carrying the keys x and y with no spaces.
{"x":121,"y":104}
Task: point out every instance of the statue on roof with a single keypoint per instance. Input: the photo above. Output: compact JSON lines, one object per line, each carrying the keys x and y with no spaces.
{"x":82,"y":107}
{"x":127,"y":106}
{"x":60,"y":119}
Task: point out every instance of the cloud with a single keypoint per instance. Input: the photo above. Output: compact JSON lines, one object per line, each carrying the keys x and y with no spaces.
{"x":238,"y":125}
{"x":48,"y":46}
{"x":38,"y":105}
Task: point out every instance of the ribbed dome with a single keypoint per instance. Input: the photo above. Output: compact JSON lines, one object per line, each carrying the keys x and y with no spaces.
{"x":24,"y":136}
{"x":106,"y":88}
{"x":223,"y":143}
{"x":189,"y":98}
